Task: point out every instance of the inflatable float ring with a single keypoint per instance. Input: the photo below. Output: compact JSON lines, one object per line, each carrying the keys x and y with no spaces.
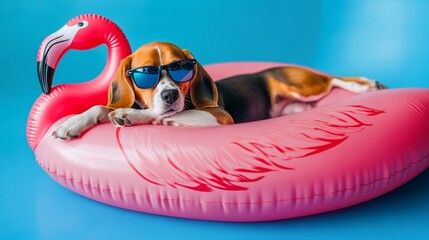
{"x":349,"y":149}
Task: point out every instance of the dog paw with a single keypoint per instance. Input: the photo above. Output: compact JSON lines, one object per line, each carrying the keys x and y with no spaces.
{"x":171,"y":122}
{"x":121,"y":117}
{"x":296,"y":107}
{"x":71,"y":128}
{"x":124,"y":117}
{"x":74,"y":126}
{"x":374,"y":85}
{"x":379,"y":86}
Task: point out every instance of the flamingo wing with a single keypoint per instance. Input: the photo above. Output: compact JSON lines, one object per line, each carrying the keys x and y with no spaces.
{"x":205,"y":159}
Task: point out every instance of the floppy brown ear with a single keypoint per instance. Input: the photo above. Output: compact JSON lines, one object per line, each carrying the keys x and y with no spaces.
{"x":121,"y":93}
{"x":203,"y":89}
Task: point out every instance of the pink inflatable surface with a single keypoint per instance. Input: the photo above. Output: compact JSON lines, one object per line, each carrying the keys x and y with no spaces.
{"x":349,"y":149}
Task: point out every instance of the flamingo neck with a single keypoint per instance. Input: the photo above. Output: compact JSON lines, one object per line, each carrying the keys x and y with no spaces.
{"x":118,"y":48}
{"x":105,"y":31}
{"x":78,"y":98}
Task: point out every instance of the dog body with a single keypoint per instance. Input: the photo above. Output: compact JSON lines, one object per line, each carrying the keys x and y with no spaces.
{"x":199,"y":101}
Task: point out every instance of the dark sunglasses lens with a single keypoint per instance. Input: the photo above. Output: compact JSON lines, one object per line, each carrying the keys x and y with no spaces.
{"x":145,"y":80}
{"x":182,"y":75}
{"x":182,"y":71}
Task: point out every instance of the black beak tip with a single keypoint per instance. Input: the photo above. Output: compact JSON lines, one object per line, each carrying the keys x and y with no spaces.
{"x":46,"y":90}
{"x":46,"y":74}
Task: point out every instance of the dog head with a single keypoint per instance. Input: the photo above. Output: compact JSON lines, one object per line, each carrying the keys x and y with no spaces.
{"x":151,"y":78}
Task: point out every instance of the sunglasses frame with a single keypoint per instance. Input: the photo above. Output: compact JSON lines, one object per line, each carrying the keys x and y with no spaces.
{"x":159,"y":69}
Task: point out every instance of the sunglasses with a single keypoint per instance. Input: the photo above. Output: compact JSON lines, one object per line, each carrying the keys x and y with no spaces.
{"x":148,"y":76}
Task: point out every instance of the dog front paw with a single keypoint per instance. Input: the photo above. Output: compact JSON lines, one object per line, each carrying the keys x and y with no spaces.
{"x":73,"y":127}
{"x":124,"y":117}
{"x":70,"y":129}
{"x":171,"y":122}
{"x":120,"y":117}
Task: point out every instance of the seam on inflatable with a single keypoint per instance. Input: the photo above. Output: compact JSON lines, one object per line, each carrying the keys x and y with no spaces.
{"x":37,"y":124}
{"x":392,"y":175}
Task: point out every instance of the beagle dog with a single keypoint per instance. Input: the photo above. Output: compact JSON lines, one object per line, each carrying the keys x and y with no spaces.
{"x":161,"y":83}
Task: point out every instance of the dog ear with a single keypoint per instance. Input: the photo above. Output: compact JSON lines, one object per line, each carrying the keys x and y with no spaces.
{"x":203,"y":89}
{"x":121,"y":93}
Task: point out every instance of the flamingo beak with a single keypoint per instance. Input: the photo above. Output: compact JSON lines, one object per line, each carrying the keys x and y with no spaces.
{"x":50,"y":52}
{"x":46,"y":74}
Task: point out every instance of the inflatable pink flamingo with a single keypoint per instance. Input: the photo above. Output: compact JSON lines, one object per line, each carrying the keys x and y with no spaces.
{"x":80,"y":33}
{"x":347,"y":150}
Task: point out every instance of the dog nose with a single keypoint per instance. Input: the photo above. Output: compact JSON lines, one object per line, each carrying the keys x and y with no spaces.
{"x":170,"y":96}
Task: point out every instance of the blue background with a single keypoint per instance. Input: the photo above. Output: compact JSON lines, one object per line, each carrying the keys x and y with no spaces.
{"x":381,"y":39}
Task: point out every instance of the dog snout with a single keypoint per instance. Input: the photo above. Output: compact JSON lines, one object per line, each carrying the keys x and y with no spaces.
{"x":170,"y":96}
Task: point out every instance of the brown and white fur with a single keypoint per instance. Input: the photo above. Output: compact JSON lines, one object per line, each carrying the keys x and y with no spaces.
{"x":203,"y":102}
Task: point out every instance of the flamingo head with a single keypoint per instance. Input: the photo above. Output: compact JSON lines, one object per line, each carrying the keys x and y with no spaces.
{"x":80,"y":33}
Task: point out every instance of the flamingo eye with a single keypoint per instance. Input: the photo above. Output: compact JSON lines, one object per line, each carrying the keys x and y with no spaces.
{"x":82,"y":24}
